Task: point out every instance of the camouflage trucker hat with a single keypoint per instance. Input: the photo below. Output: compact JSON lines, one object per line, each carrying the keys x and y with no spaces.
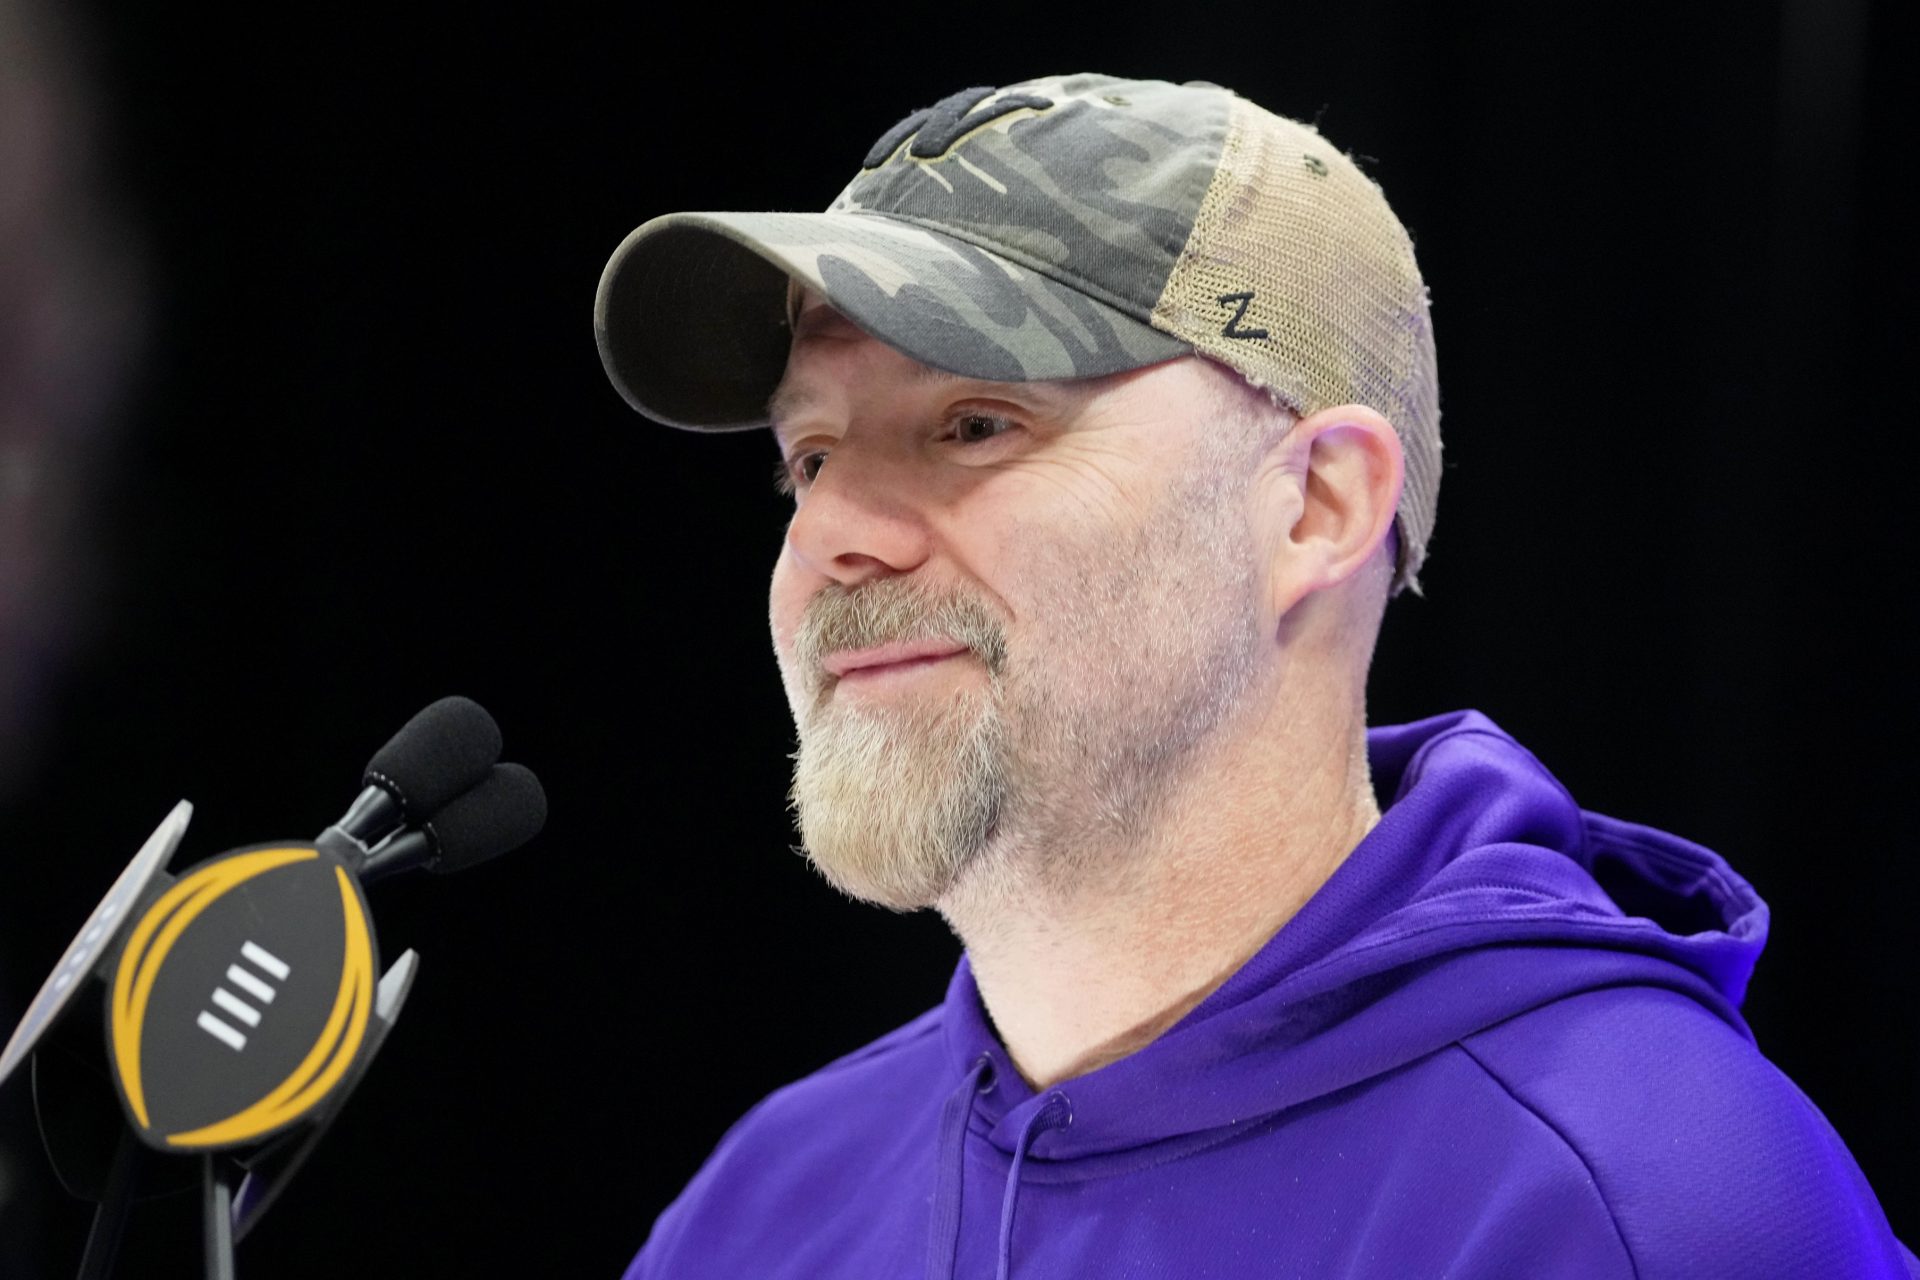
{"x":1059,"y":228}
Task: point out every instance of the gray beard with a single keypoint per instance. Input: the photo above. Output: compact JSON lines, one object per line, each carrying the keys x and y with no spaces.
{"x":893,"y":807}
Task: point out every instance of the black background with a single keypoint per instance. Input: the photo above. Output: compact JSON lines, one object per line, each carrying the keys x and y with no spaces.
{"x":370,"y":458}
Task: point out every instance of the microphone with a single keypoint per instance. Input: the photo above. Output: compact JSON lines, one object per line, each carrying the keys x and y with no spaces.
{"x":244,"y":995}
{"x":240,"y":998}
{"x":437,"y":756}
{"x":503,"y":812}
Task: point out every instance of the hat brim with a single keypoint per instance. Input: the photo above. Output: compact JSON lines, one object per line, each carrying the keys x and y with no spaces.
{"x":691,"y":315}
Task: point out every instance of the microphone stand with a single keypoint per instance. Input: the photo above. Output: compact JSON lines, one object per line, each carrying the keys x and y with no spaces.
{"x":110,"y":1219}
{"x":216,"y":1217}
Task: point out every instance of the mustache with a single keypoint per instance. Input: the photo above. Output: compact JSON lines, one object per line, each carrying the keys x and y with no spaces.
{"x":895,"y":609}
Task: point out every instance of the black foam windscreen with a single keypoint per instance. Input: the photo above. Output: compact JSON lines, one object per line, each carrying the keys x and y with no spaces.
{"x":441,"y":753}
{"x":503,"y":812}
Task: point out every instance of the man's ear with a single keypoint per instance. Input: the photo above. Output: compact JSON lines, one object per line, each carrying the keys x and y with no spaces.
{"x":1346,"y":468}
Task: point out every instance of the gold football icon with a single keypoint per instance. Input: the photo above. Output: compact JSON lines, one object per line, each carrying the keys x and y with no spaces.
{"x":241,"y":1001}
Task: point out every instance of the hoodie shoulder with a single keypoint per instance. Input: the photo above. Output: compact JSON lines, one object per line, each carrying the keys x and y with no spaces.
{"x":832,"y":1137}
{"x":912,"y":1048}
{"x":899,"y":1072}
{"x":1711,"y":1161}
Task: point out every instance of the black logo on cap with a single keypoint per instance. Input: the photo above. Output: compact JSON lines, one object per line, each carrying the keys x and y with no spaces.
{"x":947,"y":121}
{"x":1233,"y":329}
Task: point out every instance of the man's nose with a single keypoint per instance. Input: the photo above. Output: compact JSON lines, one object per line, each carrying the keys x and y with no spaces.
{"x":859,"y":519}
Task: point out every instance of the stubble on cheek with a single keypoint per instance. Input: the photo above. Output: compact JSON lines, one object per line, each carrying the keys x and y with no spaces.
{"x":1150,"y":645}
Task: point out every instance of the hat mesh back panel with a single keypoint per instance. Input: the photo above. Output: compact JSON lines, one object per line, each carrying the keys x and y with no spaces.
{"x":1338,"y":313}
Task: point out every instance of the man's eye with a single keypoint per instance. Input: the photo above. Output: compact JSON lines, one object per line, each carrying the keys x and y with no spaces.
{"x":800,"y":469}
{"x":973,"y":428}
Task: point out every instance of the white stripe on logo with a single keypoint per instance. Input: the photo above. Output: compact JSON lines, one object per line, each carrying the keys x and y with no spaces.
{"x":248,"y":983}
{"x":266,"y":960}
{"x":236,"y":1006}
{"x":221,"y":1031}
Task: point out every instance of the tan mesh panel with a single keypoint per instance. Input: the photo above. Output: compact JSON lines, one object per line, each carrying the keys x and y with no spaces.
{"x":1292,"y":221}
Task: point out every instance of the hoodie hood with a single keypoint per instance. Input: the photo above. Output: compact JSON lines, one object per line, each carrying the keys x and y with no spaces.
{"x":1484,"y":891}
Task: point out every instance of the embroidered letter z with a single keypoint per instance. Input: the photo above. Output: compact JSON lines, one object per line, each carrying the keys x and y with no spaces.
{"x":1233,"y":329}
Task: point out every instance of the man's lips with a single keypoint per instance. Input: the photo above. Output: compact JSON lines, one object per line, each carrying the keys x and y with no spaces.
{"x":896,"y":656}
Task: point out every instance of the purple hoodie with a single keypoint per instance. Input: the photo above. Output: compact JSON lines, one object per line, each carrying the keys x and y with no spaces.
{"x":1502,"y":1040}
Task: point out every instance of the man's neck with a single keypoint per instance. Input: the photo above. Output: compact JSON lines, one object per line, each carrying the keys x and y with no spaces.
{"x":1079,"y":975}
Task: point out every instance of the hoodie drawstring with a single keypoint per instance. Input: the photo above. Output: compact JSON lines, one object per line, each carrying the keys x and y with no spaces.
{"x":943,"y":1241}
{"x":1056,"y":1114}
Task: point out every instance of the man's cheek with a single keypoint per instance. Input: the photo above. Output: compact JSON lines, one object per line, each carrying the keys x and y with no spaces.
{"x":785,"y":608}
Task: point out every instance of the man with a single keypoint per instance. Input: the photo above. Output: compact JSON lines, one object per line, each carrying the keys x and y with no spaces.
{"x":1111,"y":417}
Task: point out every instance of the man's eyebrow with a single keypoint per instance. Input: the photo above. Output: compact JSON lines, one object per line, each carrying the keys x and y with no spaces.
{"x":785,"y":403}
